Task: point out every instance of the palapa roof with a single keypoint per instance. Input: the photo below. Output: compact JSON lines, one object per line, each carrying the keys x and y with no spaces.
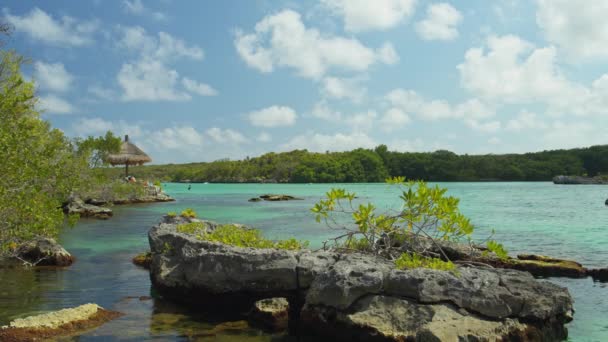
{"x":129,"y":154}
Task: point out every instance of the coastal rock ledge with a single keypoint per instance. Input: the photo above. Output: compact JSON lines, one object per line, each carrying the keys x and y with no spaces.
{"x":355,"y":297}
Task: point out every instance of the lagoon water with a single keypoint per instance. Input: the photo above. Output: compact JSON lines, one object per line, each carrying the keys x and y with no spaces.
{"x":557,"y":220}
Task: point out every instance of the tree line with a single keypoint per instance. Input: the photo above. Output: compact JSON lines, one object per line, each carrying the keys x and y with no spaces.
{"x":375,"y":165}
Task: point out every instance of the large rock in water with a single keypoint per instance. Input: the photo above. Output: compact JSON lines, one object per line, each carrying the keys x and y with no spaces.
{"x":45,"y":252}
{"x":360,"y":297}
{"x":78,"y":206}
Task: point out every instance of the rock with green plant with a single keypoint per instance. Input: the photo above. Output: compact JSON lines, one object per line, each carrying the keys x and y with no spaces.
{"x":324,"y":287}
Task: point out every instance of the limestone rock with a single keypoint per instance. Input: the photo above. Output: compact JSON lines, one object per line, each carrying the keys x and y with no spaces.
{"x":382,"y":318}
{"x":45,"y":252}
{"x":271,"y":313}
{"x":58,"y":323}
{"x":78,"y":206}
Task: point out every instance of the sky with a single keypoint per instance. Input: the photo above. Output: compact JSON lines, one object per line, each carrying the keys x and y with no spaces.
{"x":194,"y":81}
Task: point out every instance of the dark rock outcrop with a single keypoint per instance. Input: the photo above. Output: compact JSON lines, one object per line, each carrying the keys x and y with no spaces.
{"x":274,"y":197}
{"x":76,"y":205}
{"x":44,"y":252}
{"x":270,"y":313}
{"x":580,"y":180}
{"x":336,"y":294}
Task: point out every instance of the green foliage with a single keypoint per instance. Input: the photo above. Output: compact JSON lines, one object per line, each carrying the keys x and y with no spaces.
{"x":97,"y":149}
{"x":242,"y":237}
{"x":362,"y":165}
{"x":498,"y":249}
{"x":38,"y":165}
{"x":426,"y":214}
{"x":191,"y":227}
{"x":172,"y":214}
{"x":188,"y":213}
{"x":408,"y":261}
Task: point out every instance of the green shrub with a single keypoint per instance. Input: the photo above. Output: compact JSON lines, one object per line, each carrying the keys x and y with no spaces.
{"x":242,"y":237}
{"x":498,"y":249}
{"x":189,"y":213}
{"x":172,"y":214}
{"x":191,"y":227}
{"x":407,"y":260}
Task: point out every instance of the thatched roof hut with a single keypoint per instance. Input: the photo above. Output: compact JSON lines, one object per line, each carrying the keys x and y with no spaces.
{"x":129,"y":155}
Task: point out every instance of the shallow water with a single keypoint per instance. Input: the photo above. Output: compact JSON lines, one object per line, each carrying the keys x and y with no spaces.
{"x":557,"y":220}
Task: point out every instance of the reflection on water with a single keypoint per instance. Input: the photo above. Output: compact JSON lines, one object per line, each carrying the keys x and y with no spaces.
{"x":538,"y":218}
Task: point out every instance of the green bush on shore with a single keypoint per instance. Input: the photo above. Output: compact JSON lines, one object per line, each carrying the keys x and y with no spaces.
{"x":238,"y":236}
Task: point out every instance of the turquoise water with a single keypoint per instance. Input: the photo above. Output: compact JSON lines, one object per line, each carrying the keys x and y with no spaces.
{"x":542,"y":218}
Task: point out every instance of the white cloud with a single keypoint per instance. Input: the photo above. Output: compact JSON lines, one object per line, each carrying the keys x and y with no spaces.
{"x":440,"y":23}
{"x":149,"y":80}
{"x":165,"y":47}
{"x":343,"y":88}
{"x":405,"y":145}
{"x":362,"y":121}
{"x":574,"y":134}
{"x":512,"y":70}
{"x":282,"y":40}
{"x":93,"y":126}
{"x":137,"y":7}
{"x":225,"y":136}
{"x":52,"y":76}
{"x":525,"y":120}
{"x":273,"y":116}
{"x":264,"y":137}
{"x":101,"y":92}
{"x":387,"y":54}
{"x":317,"y":142}
{"x":65,"y":31}
{"x":322,"y":111}
{"x":84,"y":127}
{"x":53,"y":104}
{"x":365,"y":15}
{"x":394,"y":119}
{"x":483,"y":127}
{"x":198,"y":88}
{"x":177,"y":138}
{"x":410,"y":102}
{"x":579,"y":27}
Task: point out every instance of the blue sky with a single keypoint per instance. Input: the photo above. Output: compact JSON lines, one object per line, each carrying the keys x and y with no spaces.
{"x":203,"y":80}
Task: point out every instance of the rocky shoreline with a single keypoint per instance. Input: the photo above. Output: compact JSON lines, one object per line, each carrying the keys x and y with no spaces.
{"x":580,"y":180}
{"x":351,"y":296}
{"x":97,"y":208}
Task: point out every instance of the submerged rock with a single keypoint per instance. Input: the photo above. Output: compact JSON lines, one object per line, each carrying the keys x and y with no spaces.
{"x":78,"y":206}
{"x":64,"y":322}
{"x":44,"y":252}
{"x":273,"y":197}
{"x":336,"y":293}
{"x":271,"y":313}
{"x":143,"y":260}
{"x":254,"y":199}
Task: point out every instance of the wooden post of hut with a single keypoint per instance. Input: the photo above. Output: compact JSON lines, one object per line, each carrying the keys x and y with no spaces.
{"x":129,"y":155}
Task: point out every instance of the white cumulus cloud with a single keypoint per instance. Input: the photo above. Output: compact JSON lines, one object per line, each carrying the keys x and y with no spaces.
{"x":53,"y":104}
{"x":365,"y":15}
{"x":579,"y":27}
{"x":52,"y":76}
{"x":225,"y":136}
{"x":64,"y":31}
{"x":282,"y":40}
{"x":273,"y":116}
{"x":198,"y":88}
{"x":441,"y":22}
{"x":318,"y":142}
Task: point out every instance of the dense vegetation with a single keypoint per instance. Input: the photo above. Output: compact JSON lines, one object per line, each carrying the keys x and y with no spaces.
{"x":362,"y":165}
{"x":40,"y":166}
